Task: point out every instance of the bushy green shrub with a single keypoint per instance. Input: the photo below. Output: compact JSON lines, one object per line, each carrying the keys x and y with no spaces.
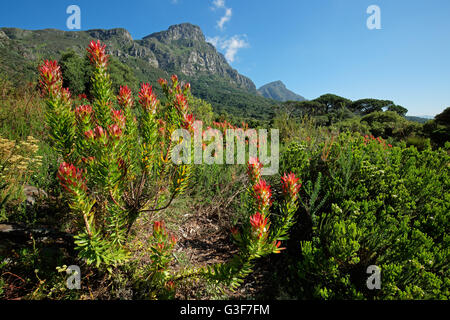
{"x":366,"y":203}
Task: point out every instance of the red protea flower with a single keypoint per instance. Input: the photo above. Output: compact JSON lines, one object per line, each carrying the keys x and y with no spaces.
{"x":115,"y":131}
{"x":82,"y":96}
{"x":50,"y":77}
{"x":188,"y":121}
{"x":162,"y":82}
{"x":173,"y":240}
{"x":83,"y":112}
{"x":97,"y":54}
{"x":181,"y":103}
{"x":259,"y":224}
{"x":147,"y":98}
{"x":174,"y":79}
{"x":89,"y":135}
{"x":118,"y":118}
{"x":71,"y":178}
{"x":254,"y":170}
{"x":125,"y":97}
{"x":263,"y":194}
{"x":158,"y":227}
{"x":100,"y":133}
{"x":187,"y":87}
{"x":290,"y":185}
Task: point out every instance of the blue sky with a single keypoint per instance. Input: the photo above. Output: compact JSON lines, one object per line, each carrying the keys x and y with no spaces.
{"x":314,"y":47}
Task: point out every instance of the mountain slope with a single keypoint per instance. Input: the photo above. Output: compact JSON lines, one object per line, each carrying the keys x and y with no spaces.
{"x":277,"y":91}
{"x":181,"y":49}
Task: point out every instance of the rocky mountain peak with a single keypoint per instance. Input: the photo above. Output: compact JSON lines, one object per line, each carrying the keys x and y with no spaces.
{"x":184,"y":31}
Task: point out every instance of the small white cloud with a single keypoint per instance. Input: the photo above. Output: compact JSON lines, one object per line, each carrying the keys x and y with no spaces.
{"x":232,"y":45}
{"x":229,"y":46}
{"x":225,"y":18}
{"x":219,"y":3}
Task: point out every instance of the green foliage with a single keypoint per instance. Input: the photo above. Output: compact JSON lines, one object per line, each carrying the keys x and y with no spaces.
{"x":374,"y":205}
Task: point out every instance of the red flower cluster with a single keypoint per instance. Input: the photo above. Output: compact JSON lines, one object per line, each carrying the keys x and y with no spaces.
{"x":263,"y":195}
{"x":181,"y":103}
{"x":188,"y":121}
{"x":254,"y":169}
{"x":118,"y":118}
{"x":50,"y":77}
{"x":147,"y":98}
{"x":163,"y":239}
{"x":380,"y":140}
{"x":125,"y":97}
{"x":82,"y":112}
{"x":174,"y":79}
{"x":290,"y":185}
{"x":259,"y":224}
{"x":114,"y":131}
{"x":89,"y":135}
{"x":162,"y":82}
{"x":97,"y":54}
{"x":71,"y":178}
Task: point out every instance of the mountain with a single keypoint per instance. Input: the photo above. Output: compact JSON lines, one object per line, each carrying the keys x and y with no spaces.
{"x":181,"y":50}
{"x":277,"y":91}
{"x":420,"y":119}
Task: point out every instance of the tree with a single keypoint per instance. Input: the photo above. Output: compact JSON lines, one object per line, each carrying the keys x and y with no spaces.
{"x":398,"y":109}
{"x":332,"y":102}
{"x":75,"y":72}
{"x":366,"y":106}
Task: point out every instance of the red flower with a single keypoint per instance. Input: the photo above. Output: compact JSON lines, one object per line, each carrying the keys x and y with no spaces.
{"x":83,"y":111}
{"x":290,"y":185}
{"x":97,"y":54}
{"x":254,"y":169}
{"x":174,"y":80}
{"x":71,"y":178}
{"x":89,"y":135}
{"x":118,"y":118}
{"x":99,"y":132}
{"x":125,"y":97}
{"x":258,"y":223}
{"x":181,"y":103}
{"x":158,"y":227}
{"x":188,"y":121}
{"x":162,"y":81}
{"x":50,"y":77}
{"x":115,"y":131}
{"x":147,"y":98}
{"x":262,"y":194}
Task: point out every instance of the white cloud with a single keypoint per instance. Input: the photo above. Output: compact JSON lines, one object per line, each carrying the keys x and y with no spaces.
{"x":219,"y":3}
{"x":230,"y":46}
{"x":225,"y":18}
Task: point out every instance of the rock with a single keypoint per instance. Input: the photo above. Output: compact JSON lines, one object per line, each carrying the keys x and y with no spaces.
{"x":32,"y":193}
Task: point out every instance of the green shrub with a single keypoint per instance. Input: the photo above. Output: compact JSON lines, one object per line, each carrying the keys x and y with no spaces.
{"x":367,"y":203}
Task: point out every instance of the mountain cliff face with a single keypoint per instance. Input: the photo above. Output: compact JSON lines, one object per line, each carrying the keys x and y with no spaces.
{"x":277,"y":91}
